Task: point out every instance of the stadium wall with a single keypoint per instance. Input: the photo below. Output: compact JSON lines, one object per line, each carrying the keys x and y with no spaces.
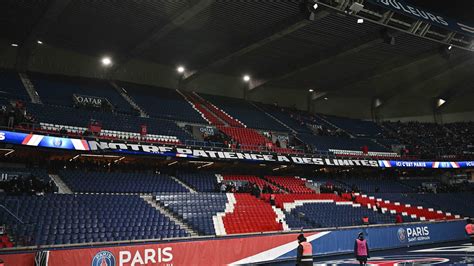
{"x":245,"y":249}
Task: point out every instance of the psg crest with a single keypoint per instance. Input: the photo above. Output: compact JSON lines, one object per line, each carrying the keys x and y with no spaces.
{"x":402,"y":235}
{"x":103,"y":258}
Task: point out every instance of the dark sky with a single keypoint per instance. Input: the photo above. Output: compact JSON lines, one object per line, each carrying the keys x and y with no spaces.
{"x":462,"y":10}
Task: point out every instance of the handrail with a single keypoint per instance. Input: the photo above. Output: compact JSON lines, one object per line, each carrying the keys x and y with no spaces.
{"x":12,"y":214}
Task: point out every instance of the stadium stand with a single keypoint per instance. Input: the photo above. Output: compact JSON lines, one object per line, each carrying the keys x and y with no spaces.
{"x":11,"y":86}
{"x":252,"y":180}
{"x":417,"y":212}
{"x":327,"y":143}
{"x":334,"y":215}
{"x":80,"y":181}
{"x":196,"y":209}
{"x":59,"y":90}
{"x":291,"y":184}
{"x":374,"y":186}
{"x":65,"y":219}
{"x":118,"y":126}
{"x":202,"y":182}
{"x":30,"y":180}
{"x":430,"y":140}
{"x":454,"y":203}
{"x":356,"y":127}
{"x":245,"y":112}
{"x":248,"y":214}
{"x":163,"y":103}
{"x":287,"y":118}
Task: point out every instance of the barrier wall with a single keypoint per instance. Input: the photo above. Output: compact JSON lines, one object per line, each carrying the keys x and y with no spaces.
{"x":248,"y":249}
{"x":36,"y":140}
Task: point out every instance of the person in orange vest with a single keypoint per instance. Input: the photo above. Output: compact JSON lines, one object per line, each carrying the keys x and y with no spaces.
{"x":470,"y":230}
{"x":304,"y":252}
{"x":361,"y":249}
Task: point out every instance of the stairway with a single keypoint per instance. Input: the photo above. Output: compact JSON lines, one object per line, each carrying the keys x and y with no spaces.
{"x":127,"y":98}
{"x":62,"y":187}
{"x":274,"y":118}
{"x":190,"y":189}
{"x":187,"y":99}
{"x":223,"y":116}
{"x":30,"y":88}
{"x":151,"y":200}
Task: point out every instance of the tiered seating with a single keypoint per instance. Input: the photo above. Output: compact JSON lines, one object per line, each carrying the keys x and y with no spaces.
{"x":66,"y":218}
{"x":249,"y":139}
{"x":403,"y":208}
{"x":245,"y":112}
{"x":372,"y":185}
{"x":333,"y":215}
{"x":250,"y":215}
{"x":282,"y":199}
{"x":252,"y":179}
{"x":327,"y":143}
{"x":289,"y":119}
{"x":211,"y":117}
{"x":197,"y":209}
{"x":80,"y":181}
{"x":59,"y":90}
{"x":114,"y":125}
{"x":215,"y":115}
{"x":163,"y":103}
{"x":202,"y":182}
{"x":355,"y":127}
{"x":454,"y":203}
{"x":39,"y":177}
{"x":11,"y":86}
{"x":296,"y":223}
{"x":292,"y":184}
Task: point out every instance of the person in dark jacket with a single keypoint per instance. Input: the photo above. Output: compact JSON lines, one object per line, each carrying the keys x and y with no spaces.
{"x":304,"y":252}
{"x":361,"y":249}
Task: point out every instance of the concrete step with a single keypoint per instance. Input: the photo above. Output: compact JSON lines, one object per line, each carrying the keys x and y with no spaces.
{"x":127,"y":98}
{"x":63,"y":188}
{"x":190,"y":189}
{"x":152,"y":201}
{"x":30,"y":88}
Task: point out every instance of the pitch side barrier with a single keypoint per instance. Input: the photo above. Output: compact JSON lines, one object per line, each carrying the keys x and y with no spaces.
{"x":239,"y":249}
{"x":193,"y":153}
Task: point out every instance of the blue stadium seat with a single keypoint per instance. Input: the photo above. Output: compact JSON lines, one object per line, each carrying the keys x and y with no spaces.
{"x":80,"y":181}
{"x":45,"y":218}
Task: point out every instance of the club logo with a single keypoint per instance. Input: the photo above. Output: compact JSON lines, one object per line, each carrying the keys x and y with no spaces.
{"x":57,"y":142}
{"x":402,"y":235}
{"x":103,"y":258}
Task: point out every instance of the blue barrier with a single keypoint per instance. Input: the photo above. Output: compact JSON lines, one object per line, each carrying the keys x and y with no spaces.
{"x":386,"y":237}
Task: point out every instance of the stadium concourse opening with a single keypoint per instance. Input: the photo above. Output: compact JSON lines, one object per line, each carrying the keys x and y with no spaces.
{"x":236,"y":132}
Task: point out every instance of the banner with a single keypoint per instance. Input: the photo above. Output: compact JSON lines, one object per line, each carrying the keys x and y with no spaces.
{"x":424,"y":164}
{"x":205,"y":154}
{"x":249,"y":249}
{"x":400,"y":6}
{"x":89,"y":101}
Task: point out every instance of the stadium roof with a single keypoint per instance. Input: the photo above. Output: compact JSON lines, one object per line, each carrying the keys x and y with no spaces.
{"x":274,"y":41}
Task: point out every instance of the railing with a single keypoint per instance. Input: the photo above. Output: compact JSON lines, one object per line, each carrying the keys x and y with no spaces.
{"x":209,"y":237}
{"x":11,"y":213}
{"x":31,"y":127}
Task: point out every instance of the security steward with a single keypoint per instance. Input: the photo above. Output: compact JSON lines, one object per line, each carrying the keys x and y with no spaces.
{"x":304,"y":252}
{"x":470,"y":230}
{"x":361,"y":249}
